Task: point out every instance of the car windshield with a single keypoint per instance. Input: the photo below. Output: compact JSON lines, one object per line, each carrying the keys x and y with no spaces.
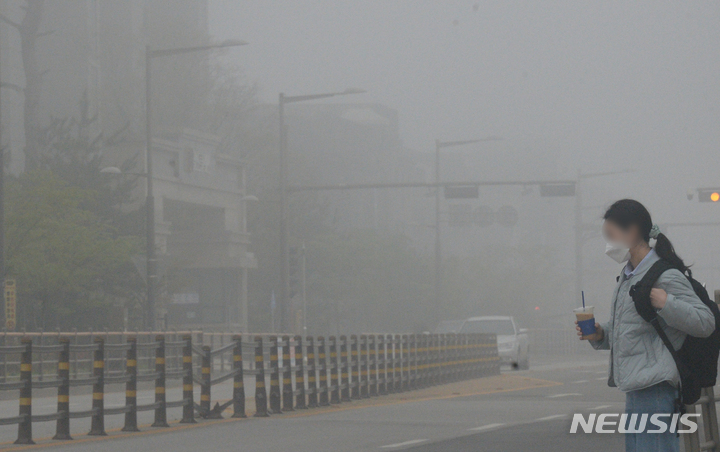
{"x":449,"y":326}
{"x":499,"y":327}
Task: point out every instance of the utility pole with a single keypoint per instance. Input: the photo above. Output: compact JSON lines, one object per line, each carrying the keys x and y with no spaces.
{"x":151,"y":275}
{"x":285,"y":320}
{"x":2,"y":211}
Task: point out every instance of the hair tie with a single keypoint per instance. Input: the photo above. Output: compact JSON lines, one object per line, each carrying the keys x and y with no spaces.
{"x":654,"y":231}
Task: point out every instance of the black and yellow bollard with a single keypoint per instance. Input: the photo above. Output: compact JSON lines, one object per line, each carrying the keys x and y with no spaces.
{"x":372,"y":361}
{"x":25,"y":426}
{"x":420,"y":383}
{"x":334,"y":380}
{"x":434,"y":359}
{"x":62,"y":430}
{"x":260,"y":393}
{"x":188,"y":395}
{"x":322,"y":373}
{"x":205,"y":386}
{"x":312,"y":388}
{"x":161,"y":410}
{"x":402,"y":345}
{"x":131,"y":387}
{"x":287,"y":388}
{"x":382,"y":365}
{"x":392,"y":363}
{"x":299,"y":374}
{"x":364,"y":373}
{"x":238,"y":382}
{"x":412,"y":362}
{"x":97,"y":422}
{"x":275,"y":402}
{"x":355,"y":366}
{"x":344,"y":374}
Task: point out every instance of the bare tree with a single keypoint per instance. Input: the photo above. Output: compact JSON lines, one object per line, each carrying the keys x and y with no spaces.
{"x":29,"y":30}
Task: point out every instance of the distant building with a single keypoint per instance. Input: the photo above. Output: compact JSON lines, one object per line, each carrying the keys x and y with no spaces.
{"x":92,"y":57}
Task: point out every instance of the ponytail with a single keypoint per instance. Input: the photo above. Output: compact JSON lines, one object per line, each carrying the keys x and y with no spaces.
{"x":665,"y":250}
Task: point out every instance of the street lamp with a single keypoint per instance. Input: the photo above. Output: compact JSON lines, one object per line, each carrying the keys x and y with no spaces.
{"x":150,"y":201}
{"x":437,"y":267}
{"x":283,"y":183}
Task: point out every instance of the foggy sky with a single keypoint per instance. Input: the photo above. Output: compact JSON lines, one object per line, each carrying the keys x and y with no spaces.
{"x":595,"y":86}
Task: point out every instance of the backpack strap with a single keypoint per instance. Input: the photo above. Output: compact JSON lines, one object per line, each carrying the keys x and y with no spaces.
{"x":640,"y":291}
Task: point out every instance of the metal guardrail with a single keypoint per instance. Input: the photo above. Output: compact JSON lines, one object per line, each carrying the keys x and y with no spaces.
{"x":707,"y":438}
{"x":304,"y":372}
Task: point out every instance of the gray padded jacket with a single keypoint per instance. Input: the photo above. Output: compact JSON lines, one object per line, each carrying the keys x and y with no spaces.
{"x":638,"y":357}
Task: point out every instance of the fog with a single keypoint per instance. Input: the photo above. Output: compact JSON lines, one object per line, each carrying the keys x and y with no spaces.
{"x":566,"y":89}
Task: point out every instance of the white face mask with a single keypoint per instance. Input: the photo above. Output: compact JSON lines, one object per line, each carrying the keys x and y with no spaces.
{"x":619,"y":252}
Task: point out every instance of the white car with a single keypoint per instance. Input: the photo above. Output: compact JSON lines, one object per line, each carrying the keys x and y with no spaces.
{"x":513,"y":345}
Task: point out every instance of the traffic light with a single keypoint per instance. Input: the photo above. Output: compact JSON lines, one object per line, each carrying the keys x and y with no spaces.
{"x":709,"y":195}
{"x":294,"y":271}
{"x":461,"y":192}
{"x":562,"y":189}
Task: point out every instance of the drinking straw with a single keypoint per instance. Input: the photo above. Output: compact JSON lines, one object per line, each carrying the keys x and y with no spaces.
{"x":583,"y":297}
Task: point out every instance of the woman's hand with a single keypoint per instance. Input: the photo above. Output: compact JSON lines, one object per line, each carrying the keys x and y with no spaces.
{"x":658,"y":297}
{"x":598,"y":336}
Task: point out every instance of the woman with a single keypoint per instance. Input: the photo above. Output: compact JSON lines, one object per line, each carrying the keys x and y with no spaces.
{"x":640,"y":364}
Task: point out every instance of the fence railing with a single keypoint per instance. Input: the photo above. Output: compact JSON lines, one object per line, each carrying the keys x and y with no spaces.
{"x":305,"y":372}
{"x":706,"y":438}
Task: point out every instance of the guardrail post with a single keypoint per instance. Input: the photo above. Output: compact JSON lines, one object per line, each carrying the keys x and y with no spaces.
{"x":462,"y":356}
{"x":452,"y":356}
{"x":322,"y":372}
{"x":299,"y":374}
{"x":363,"y":380}
{"x":412,"y":363}
{"x":443,"y":353}
{"x":25,"y":426}
{"x":62,"y":430}
{"x":354,"y":364}
{"x":188,"y":396}
{"x":344,"y":374}
{"x":238,"y":382}
{"x":287,"y":389}
{"x":97,"y":424}
{"x":311,"y":371}
{"x":260,"y":394}
{"x":393,"y":358}
{"x":404,"y":363}
{"x":372,"y":358}
{"x":382,"y":365}
{"x":275,"y":402}
{"x":334,"y":380}
{"x":205,"y":387}
{"x":161,"y":411}
{"x":478,"y":343}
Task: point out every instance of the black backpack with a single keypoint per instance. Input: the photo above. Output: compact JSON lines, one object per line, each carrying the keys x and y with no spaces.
{"x":697,"y":359}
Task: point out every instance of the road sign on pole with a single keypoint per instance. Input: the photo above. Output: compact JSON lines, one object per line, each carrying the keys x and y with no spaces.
{"x":10,"y":304}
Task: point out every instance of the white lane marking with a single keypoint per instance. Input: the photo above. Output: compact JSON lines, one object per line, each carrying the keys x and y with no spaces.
{"x":601,"y":407}
{"x":601,"y":379}
{"x":549,"y":418}
{"x":485,"y":427}
{"x":405,"y":443}
{"x":569,"y":394}
{"x":579,"y":381}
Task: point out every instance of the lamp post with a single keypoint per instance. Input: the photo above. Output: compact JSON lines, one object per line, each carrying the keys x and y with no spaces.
{"x":437,"y":267}
{"x":283,"y":185}
{"x":150,"y":201}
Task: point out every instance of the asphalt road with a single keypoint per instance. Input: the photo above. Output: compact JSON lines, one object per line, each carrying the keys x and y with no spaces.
{"x":535,"y":419}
